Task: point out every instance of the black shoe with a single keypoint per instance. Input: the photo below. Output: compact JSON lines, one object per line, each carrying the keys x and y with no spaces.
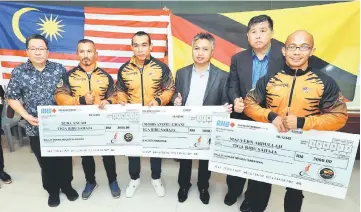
{"x":70,"y":193}
{"x":204,"y":196}
{"x":53,"y":200}
{"x":230,"y":199}
{"x":5,"y":177}
{"x":182,"y":195}
{"x":246,"y":206}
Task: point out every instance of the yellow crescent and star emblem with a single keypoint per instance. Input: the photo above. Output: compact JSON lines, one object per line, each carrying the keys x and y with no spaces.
{"x":50,"y":27}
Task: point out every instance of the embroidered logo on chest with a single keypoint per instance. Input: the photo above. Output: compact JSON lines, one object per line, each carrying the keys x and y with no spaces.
{"x":306,"y":89}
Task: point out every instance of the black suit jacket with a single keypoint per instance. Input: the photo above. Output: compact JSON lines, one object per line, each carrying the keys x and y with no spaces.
{"x":240,"y":76}
{"x":216,"y":91}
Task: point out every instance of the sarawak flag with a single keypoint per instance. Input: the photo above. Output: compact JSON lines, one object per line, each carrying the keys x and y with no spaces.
{"x":335,"y":27}
{"x":110,"y":29}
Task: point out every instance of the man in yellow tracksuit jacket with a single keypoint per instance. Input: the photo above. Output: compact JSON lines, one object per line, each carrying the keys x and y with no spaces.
{"x":147,"y":81}
{"x":297,"y":97}
{"x":88,"y":84}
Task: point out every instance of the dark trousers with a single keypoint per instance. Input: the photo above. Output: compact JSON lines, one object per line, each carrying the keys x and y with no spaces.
{"x":134,"y":167}
{"x":1,"y":157}
{"x":89,"y":168}
{"x":1,"y":149}
{"x":185,"y":172}
{"x":56,"y":172}
{"x":293,"y":200}
{"x":258,"y":193}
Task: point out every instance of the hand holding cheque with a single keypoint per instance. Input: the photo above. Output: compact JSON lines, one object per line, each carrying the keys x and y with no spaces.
{"x":315,"y":161}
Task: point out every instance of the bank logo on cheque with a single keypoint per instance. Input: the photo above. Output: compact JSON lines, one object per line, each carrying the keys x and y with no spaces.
{"x":47,"y":110}
{"x":225,"y":124}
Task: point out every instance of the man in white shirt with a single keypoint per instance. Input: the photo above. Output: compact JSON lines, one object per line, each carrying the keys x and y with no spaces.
{"x":198,"y":84}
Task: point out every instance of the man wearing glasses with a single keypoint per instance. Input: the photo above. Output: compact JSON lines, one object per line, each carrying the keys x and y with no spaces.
{"x":297,"y":97}
{"x":35,"y":82}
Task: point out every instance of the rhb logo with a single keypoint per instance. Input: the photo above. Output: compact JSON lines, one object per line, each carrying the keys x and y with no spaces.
{"x":225,"y":124}
{"x":47,"y":111}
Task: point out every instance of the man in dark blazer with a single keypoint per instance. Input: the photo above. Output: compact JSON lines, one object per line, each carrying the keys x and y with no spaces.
{"x":246,"y":68}
{"x":199,"y":84}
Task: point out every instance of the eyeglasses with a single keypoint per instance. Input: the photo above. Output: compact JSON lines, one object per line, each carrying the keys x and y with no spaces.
{"x":301,"y":48}
{"x":37,"y":49}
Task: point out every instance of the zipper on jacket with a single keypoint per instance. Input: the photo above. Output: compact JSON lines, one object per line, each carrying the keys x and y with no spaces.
{"x":291,"y":94}
{"x":141,"y":82}
{"x":89,"y":77}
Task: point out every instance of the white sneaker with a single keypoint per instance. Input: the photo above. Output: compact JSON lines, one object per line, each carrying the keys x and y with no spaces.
{"x":158,"y":187}
{"x":132,"y":187}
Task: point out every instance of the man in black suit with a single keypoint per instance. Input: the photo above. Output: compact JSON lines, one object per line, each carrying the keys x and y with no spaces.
{"x":246,"y":68}
{"x":199,"y":84}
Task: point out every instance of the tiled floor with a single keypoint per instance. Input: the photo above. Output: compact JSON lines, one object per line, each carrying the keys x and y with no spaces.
{"x":26,"y":192}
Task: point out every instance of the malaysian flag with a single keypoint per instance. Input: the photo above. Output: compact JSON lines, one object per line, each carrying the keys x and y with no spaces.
{"x":111,"y":29}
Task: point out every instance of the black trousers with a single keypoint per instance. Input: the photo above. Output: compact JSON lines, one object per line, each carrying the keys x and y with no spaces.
{"x":258,"y":193}
{"x":1,"y":149}
{"x":293,"y":200}
{"x":1,"y":157}
{"x":185,"y":172}
{"x":89,"y":168}
{"x":134,"y":167}
{"x":56,"y":172}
